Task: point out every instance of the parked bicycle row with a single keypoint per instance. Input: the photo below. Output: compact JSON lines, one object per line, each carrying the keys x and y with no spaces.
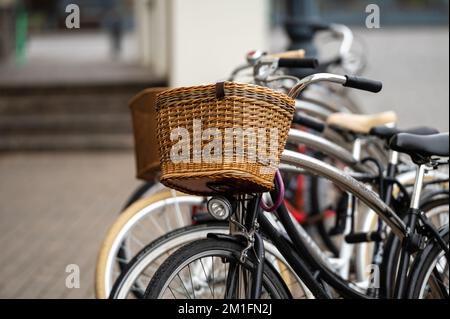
{"x":275,"y":184}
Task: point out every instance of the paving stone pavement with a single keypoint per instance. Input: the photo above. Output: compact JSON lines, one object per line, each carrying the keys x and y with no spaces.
{"x":54,"y":211}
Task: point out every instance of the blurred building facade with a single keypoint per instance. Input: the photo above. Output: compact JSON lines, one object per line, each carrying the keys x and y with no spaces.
{"x":61,"y":89}
{"x":7,"y":29}
{"x":199,"y":41}
{"x":159,"y":24}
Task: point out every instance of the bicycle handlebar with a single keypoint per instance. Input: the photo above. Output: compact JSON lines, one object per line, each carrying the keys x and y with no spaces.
{"x":364,"y":84}
{"x":298,"y":63}
{"x":257,"y":56}
{"x":347,"y":38}
{"x":348,"y":81}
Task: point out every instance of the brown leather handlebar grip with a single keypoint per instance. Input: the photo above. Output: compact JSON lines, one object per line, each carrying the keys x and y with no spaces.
{"x":293,"y":54}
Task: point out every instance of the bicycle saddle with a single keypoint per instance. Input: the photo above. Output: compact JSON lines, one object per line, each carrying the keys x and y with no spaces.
{"x":360,"y":123}
{"x":420,"y":147}
{"x":386,"y":133}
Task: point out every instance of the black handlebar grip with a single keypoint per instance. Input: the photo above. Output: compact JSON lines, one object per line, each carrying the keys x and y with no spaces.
{"x":305,"y":63}
{"x":308,"y":122}
{"x":356,"y":238}
{"x":363,"y":84}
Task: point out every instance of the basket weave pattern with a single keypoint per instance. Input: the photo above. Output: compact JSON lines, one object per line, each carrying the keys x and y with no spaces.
{"x":243,"y":107}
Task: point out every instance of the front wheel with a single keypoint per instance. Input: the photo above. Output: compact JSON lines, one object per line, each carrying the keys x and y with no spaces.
{"x":202,"y":270}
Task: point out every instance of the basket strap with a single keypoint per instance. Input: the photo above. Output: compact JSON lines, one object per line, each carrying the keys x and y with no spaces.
{"x":220,"y":90}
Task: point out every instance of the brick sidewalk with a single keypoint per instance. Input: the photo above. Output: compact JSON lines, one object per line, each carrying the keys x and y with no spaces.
{"x":55,"y":209}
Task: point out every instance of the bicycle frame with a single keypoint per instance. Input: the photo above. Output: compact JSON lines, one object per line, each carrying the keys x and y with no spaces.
{"x":371,"y":219}
{"x":340,"y":264}
{"x":329,"y":101}
{"x":326,"y":147}
{"x":398,"y":227}
{"x":349,"y":184}
{"x":371,"y":199}
{"x":312,"y":109}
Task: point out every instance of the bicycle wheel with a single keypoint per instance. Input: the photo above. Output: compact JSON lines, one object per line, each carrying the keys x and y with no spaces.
{"x":322,"y":196}
{"x":138,"y":193}
{"x":437,"y":210}
{"x":429,"y":275}
{"x":143,"y":266}
{"x":139,"y":224}
{"x":200,"y":270}
{"x":135,"y":277}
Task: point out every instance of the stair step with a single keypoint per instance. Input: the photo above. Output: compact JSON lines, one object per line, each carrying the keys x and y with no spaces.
{"x":57,"y":103}
{"x":52,"y":142}
{"x":65,"y":123}
{"x":68,"y":116}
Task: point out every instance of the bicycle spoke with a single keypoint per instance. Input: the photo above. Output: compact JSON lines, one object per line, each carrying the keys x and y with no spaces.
{"x":187,"y":292}
{"x":178,"y":213}
{"x":122,"y":260}
{"x":192,"y":283}
{"x":206,"y":277}
{"x":213,"y":279}
{"x":137,"y":241}
{"x":170,"y":289}
{"x":157,"y":226}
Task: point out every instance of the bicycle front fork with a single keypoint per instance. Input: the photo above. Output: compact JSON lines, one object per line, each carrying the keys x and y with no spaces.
{"x":244,"y":224}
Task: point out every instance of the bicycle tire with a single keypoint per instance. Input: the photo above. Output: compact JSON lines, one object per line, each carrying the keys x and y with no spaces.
{"x":138,"y":193}
{"x":125,"y":283}
{"x":101,"y":290}
{"x":423,"y":266}
{"x":392,"y":249}
{"x":163,"y":244}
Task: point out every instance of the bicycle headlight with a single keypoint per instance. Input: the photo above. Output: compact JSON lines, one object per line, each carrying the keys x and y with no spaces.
{"x":219,"y":207}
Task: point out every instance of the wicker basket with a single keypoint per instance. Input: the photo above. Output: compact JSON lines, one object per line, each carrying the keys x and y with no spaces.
{"x":191,"y":161}
{"x":143,"y":111}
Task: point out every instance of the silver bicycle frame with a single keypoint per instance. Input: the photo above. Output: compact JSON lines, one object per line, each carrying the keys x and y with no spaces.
{"x":324,"y":146}
{"x":312,"y":109}
{"x":322,"y":96}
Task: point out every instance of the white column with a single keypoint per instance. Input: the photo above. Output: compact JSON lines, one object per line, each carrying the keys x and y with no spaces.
{"x":151,"y":34}
{"x":199,"y":41}
{"x":208,"y":38}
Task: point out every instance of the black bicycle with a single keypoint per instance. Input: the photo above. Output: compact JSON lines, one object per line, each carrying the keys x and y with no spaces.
{"x":233,"y":266}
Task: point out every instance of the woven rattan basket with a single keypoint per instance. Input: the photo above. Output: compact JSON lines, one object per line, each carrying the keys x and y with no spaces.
{"x":226,"y":137}
{"x":143,"y":112}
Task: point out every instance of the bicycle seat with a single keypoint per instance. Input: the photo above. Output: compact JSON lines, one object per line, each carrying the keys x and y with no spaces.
{"x":386,"y":132}
{"x":420,"y":147}
{"x":358,"y":123}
